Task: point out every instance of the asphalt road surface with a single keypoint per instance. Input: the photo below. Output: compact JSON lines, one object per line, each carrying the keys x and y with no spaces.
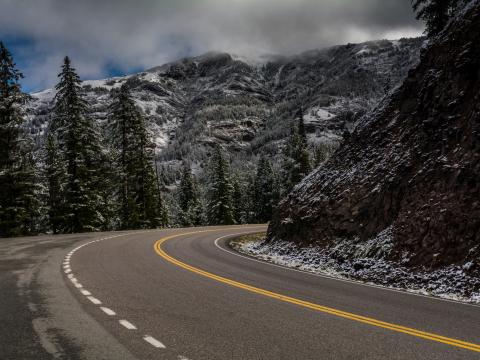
{"x":183,"y":294}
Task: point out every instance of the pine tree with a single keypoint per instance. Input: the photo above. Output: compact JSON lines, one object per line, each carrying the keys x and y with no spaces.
{"x":106,"y":187}
{"x":162,"y":209}
{"x":220,"y":206}
{"x":296,"y":159}
{"x":27,"y":188}
{"x":55,"y":178}
{"x":239,"y":201}
{"x":139,"y":197}
{"x":163,"y":213}
{"x":250,"y":202}
{"x":323,"y":151}
{"x":144,"y":176}
{"x":190,"y":206}
{"x":301,"y":127}
{"x":186,"y":194}
{"x":121,"y":120}
{"x":18,"y":180}
{"x":435,"y":13}
{"x":81,"y":150}
{"x":264,"y":193}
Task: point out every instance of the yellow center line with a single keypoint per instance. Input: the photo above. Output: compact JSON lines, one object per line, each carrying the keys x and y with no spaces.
{"x":306,"y":304}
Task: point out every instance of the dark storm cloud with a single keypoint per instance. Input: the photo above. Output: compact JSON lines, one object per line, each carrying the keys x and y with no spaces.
{"x":99,"y":34}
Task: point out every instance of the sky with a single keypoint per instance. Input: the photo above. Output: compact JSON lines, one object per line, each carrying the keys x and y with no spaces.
{"x":114,"y":37}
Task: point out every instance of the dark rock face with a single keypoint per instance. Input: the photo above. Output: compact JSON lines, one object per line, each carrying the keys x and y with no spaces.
{"x":413,"y":164}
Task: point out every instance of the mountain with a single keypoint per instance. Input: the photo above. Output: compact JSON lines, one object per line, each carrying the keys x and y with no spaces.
{"x":405,"y":185}
{"x":249,"y":105}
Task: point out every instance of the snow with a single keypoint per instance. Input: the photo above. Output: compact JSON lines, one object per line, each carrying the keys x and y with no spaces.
{"x":365,"y":262}
{"x":317,"y":114}
{"x":364,"y":51}
{"x":110,"y":83}
{"x":252,"y":61}
{"x":45,"y":95}
{"x":151,"y":77}
{"x":395,"y":43}
{"x":277,"y":78}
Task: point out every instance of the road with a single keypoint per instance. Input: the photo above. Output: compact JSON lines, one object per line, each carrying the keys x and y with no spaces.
{"x":183,"y":294}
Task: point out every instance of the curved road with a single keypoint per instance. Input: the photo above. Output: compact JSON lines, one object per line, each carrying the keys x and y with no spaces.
{"x":182,"y":294}
{"x":189,"y":298}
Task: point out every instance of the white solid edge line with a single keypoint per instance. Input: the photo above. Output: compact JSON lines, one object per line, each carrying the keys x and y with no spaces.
{"x":94,"y":300}
{"x":333,"y":277}
{"x":108,"y":311}
{"x":154,"y":342}
{"x":127,"y":324}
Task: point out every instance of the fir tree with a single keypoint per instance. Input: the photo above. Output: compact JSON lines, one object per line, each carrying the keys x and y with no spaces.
{"x":18,"y":180}
{"x":265,"y":191}
{"x":435,"y":13}
{"x":122,"y":119}
{"x":55,"y":177}
{"x":190,"y":206}
{"x":301,"y":127}
{"x":162,"y":209}
{"x":106,"y":186}
{"x":79,"y":143}
{"x":323,"y":151}
{"x":186,"y":193}
{"x":163,"y":213}
{"x":239,"y":201}
{"x":139,"y":195}
{"x":249,"y":198}
{"x":296,"y":160}
{"x":220,"y":207}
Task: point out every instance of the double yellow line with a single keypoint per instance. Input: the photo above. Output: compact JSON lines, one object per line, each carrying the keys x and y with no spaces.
{"x":306,"y":304}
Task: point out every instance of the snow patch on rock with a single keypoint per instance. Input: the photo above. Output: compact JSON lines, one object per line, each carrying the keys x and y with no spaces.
{"x":365,"y":262}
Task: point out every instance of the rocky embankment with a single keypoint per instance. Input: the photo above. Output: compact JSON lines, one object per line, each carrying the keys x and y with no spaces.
{"x":411,"y":168}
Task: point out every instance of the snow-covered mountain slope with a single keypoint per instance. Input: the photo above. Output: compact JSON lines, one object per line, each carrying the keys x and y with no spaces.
{"x":249,"y":106}
{"x":411,"y":168}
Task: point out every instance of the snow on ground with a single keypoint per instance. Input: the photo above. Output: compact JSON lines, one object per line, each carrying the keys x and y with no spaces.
{"x":110,"y":83}
{"x":45,"y":95}
{"x":364,"y":50}
{"x":317,"y":114}
{"x":152,"y":77}
{"x":363,"y":262}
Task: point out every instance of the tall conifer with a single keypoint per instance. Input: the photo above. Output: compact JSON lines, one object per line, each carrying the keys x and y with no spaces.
{"x":82,"y":152}
{"x":141,"y":205}
{"x":220,"y":205}
{"x":18,"y":180}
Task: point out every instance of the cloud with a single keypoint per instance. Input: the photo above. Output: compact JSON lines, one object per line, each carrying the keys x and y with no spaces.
{"x":128,"y":34}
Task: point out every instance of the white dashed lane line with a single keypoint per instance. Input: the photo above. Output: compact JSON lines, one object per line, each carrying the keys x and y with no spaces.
{"x":94,"y":300}
{"x":127,"y":324}
{"x":108,"y":311}
{"x":153,"y":341}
